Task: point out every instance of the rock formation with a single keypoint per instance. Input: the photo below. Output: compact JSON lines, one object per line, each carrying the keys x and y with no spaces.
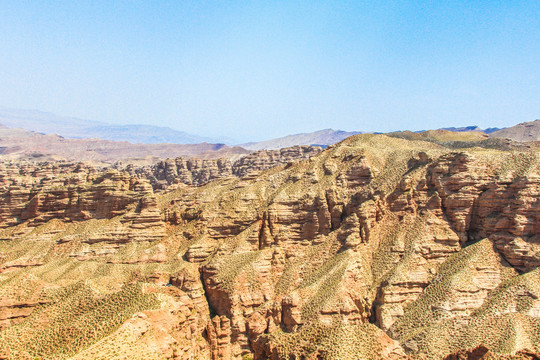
{"x":376,"y":248}
{"x":199,"y":172}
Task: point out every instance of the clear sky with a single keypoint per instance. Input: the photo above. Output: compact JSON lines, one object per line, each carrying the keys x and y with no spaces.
{"x":254,"y":70}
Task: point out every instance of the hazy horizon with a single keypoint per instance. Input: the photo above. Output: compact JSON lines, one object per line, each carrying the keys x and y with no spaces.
{"x":254,"y":71}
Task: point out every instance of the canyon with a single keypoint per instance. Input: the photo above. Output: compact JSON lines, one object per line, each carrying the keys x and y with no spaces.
{"x":397,"y":246}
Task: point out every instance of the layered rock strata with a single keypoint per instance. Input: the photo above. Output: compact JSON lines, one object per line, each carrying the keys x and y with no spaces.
{"x":376,"y":248}
{"x":198,"y":172}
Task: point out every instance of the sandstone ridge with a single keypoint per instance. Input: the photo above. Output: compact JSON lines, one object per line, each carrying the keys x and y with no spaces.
{"x":200,"y":171}
{"x":378,"y":247}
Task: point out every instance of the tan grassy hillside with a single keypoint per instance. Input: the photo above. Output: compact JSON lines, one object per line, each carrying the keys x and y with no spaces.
{"x":379,"y":247}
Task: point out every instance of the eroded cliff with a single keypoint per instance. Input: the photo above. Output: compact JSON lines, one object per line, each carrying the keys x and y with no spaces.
{"x":376,"y":248}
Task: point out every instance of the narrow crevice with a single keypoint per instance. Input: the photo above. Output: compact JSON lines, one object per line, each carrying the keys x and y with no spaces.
{"x":373,"y":314}
{"x":261,"y":231}
{"x":211,"y":310}
{"x":375,"y":308}
{"x":330,"y":208}
{"x":270,"y":225}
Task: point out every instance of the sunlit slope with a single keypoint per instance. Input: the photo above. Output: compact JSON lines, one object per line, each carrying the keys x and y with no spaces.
{"x":377,"y":247}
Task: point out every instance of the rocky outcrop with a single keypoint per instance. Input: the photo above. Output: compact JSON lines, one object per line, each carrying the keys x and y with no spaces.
{"x":184,"y":171}
{"x":414,"y":215}
{"x":266,"y":159}
{"x":480,"y":203}
{"x":71,"y":192}
{"x":198,"y":172}
{"x":123,"y":209}
{"x":377,"y":247}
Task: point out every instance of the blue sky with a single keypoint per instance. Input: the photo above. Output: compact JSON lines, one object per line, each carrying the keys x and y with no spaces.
{"x":253,"y":70}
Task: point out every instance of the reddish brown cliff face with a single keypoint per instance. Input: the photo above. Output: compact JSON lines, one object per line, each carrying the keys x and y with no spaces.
{"x":199,"y":172}
{"x":375,"y":248}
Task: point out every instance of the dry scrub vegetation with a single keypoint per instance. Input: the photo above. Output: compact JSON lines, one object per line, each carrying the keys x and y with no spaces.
{"x":377,"y":247}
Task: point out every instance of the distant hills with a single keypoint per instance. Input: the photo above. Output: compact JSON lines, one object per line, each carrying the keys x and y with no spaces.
{"x":146,"y":134}
{"x":329,"y":136}
{"x":526,"y":131}
{"x":322,"y":137}
{"x":75,"y":128}
{"x":471,"y":128}
{"x":18,"y":144}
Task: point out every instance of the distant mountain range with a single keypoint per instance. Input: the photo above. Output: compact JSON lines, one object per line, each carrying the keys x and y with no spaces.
{"x":329,"y":136}
{"x":471,"y":128}
{"x":322,"y":137}
{"x":18,"y":144}
{"x":74,"y":128}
